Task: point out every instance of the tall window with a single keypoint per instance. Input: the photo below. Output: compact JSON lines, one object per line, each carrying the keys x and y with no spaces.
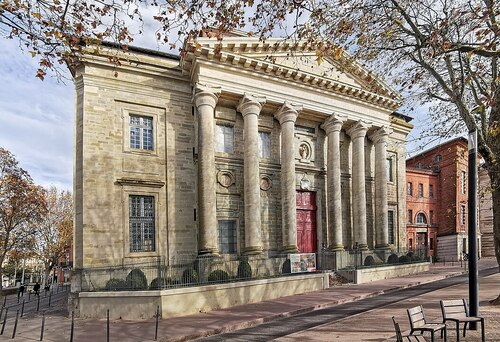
{"x":224,"y":139}
{"x":410,"y":189}
{"x":142,"y":223}
{"x":227,"y":237}
{"x":421,"y":218}
{"x":462,"y":181}
{"x":420,"y":190}
{"x":264,"y":145}
{"x":431,"y":217}
{"x":410,"y":216}
{"x":389,"y":170}
{"x":141,"y":132}
{"x":462,"y":214}
{"x":390,"y":225}
{"x":431,"y":190}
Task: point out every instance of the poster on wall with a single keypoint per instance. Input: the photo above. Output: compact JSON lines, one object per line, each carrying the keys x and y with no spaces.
{"x":302,"y":262}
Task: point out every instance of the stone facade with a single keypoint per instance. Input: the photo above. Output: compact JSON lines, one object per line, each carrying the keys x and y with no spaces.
{"x":242,"y":155}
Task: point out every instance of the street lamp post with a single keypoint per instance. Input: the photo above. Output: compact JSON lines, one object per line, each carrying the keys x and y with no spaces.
{"x":472,"y":226}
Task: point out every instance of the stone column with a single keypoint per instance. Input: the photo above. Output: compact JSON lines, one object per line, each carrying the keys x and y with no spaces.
{"x":332,"y":127}
{"x":205,"y":99}
{"x":250,"y":107}
{"x":380,"y":138}
{"x":357,"y":133}
{"x":287,"y":115}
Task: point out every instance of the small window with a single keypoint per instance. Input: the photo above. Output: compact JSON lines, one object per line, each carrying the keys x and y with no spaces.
{"x":389,"y":170}
{"x":431,"y":190}
{"x":431,"y":217}
{"x":227,"y":237}
{"x":410,"y":189}
{"x":438,"y":158}
{"x":141,"y":132}
{"x":421,"y":219}
{"x":265,"y":145}
{"x":420,"y":190}
{"x":224,"y":139}
{"x":419,"y":165}
{"x":410,"y":216}
{"x":390,"y":226}
{"x":462,"y":181}
{"x":142,"y":223}
{"x":462,"y":214}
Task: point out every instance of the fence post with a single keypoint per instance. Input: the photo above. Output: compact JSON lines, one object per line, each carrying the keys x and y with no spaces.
{"x":4,"y":320}
{"x":43,"y":326}
{"x":22,"y":309}
{"x":15,"y":324}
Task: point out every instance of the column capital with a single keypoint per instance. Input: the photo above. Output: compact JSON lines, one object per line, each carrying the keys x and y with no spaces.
{"x":333,"y":123}
{"x":381,"y":134}
{"x":206,"y":95}
{"x":359,"y":129}
{"x":251,"y":104}
{"x":288,"y":112}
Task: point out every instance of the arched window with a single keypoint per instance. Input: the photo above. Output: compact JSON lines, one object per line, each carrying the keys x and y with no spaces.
{"x":421,"y":218}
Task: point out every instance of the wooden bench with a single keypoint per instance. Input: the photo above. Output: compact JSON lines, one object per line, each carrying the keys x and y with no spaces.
{"x":418,"y":323}
{"x":400,"y":337}
{"x":457,"y":311}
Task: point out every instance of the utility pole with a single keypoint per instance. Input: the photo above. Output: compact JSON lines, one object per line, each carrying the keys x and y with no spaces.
{"x":472,"y":200}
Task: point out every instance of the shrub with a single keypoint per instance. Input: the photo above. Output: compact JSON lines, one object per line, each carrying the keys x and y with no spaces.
{"x":116,"y":284}
{"x":369,"y":261}
{"x":244,"y":270}
{"x":158,"y":283}
{"x":403,"y":259}
{"x":136,"y":280}
{"x":416,"y":257}
{"x":190,"y":276}
{"x":393,"y":259}
{"x":218,"y":276}
{"x":287,"y":267}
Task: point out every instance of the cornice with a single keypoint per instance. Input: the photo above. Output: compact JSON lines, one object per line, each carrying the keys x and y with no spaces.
{"x":241,"y":53}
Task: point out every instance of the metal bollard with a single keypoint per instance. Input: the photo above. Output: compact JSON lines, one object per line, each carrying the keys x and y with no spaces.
{"x":156,"y":328}
{"x":72,"y":326}
{"x":107,"y":325}
{"x":50,"y":298}
{"x":43,"y":326}
{"x":15,"y":324}
{"x":29,"y":296}
{"x":38,"y":304}
{"x":4,"y":320}
{"x":4,"y":300}
{"x":22,"y":309}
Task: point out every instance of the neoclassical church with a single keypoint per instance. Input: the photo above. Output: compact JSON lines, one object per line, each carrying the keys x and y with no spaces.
{"x":239,"y":147}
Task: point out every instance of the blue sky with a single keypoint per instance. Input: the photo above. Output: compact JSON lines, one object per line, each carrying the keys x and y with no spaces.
{"x":36,"y":118}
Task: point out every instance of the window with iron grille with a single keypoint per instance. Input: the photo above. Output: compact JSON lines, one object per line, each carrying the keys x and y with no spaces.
{"x":265,"y":145}
{"x":410,"y":216}
{"x":141,"y":132}
{"x":421,"y":218}
{"x":431,"y":190}
{"x":462,"y":180}
{"x":420,"y":190}
{"x":142,"y":223}
{"x":227,"y":237}
{"x":462,"y":214}
{"x":390,"y":226}
{"x":224,"y":139}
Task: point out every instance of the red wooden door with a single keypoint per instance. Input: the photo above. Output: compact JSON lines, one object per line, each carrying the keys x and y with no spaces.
{"x":307,"y":240}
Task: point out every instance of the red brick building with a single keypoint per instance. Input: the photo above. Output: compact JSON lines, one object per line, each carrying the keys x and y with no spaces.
{"x":445,"y":168}
{"x":422,"y":211}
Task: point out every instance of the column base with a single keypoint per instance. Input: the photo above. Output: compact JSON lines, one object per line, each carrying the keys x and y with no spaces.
{"x":290,"y":249}
{"x":253,"y":250}
{"x":336,"y":248}
{"x":363,"y":247}
{"x":383,"y":246}
{"x":209,"y":252}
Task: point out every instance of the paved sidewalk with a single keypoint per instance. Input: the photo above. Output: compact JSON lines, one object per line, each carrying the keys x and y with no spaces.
{"x":57,"y":324}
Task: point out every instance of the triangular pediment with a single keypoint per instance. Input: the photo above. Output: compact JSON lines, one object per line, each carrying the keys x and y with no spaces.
{"x":295,"y":60}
